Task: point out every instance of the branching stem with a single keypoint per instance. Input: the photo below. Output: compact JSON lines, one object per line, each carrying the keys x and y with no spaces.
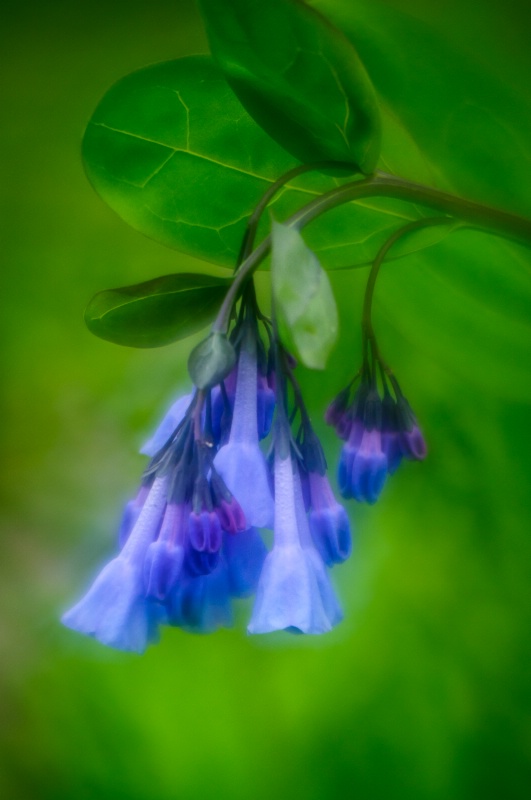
{"x":491,"y":220}
{"x":380,"y":257}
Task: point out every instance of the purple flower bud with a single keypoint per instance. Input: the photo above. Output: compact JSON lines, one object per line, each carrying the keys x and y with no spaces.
{"x":413,"y":444}
{"x":231,"y":516}
{"x":204,"y":532}
{"x":265,"y":406}
{"x":363,"y":469}
{"x":329,"y":522}
{"x":198,"y":563}
{"x":202,"y":604}
{"x":164,"y":558}
{"x":392,"y":449}
{"x":338,"y":414}
{"x":244,"y":554}
{"x":330,"y":530}
{"x":162,"y":567}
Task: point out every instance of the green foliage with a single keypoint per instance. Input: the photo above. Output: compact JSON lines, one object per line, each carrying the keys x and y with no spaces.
{"x":465,"y":115}
{"x":423,"y":692}
{"x":298,"y":77}
{"x":173,"y":152}
{"x":304,"y":302}
{"x":211,"y":361}
{"x":156,"y":312}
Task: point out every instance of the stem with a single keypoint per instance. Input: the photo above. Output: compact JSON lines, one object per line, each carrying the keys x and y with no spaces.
{"x":254,"y":219}
{"x":491,"y":220}
{"x":378,"y":261}
{"x":197,"y":415}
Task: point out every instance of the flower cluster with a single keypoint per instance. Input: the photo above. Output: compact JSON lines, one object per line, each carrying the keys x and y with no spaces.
{"x":379,"y":431}
{"x":190,"y":540}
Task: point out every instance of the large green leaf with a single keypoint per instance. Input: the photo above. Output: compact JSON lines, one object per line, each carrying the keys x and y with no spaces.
{"x":156,"y":312}
{"x":298,"y":77}
{"x":303,"y":299}
{"x":171,"y":149}
{"x":458,"y":81}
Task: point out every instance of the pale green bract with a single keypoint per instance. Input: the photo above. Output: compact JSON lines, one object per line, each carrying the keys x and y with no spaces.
{"x":303,"y":299}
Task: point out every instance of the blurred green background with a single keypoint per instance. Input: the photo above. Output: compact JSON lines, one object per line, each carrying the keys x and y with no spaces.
{"x":422,"y":692}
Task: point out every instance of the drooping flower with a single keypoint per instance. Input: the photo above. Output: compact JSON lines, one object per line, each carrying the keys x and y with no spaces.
{"x":294,"y":592}
{"x":167,"y":426}
{"x":115,"y":610}
{"x":379,"y":433}
{"x":202,"y":604}
{"x":363,"y":467}
{"x":240,"y":461}
{"x":164,"y":557}
{"x":329,"y":522}
{"x":244,"y":554}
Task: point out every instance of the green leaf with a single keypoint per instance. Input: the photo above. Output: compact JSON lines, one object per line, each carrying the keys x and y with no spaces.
{"x":466,"y":301}
{"x":211,"y":361}
{"x":171,"y":149}
{"x":298,"y":77}
{"x":156,"y":312}
{"x":303,"y":299}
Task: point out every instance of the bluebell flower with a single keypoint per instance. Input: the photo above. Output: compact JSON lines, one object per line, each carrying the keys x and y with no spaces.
{"x":362,"y":466}
{"x":167,"y":427}
{"x":379,"y":435}
{"x":164,"y":557}
{"x":131,"y":513}
{"x":241,"y":462}
{"x":294,"y":592}
{"x":222,"y":406}
{"x":202,"y":604}
{"x":115,"y":610}
{"x":244,"y":554}
{"x":329,"y":522}
{"x":265,"y":401}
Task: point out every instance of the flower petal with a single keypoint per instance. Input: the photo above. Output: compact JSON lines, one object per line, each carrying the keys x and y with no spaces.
{"x":169,"y":423}
{"x":244,"y":554}
{"x":114,"y":610}
{"x":243,"y":468}
{"x":289,"y":594}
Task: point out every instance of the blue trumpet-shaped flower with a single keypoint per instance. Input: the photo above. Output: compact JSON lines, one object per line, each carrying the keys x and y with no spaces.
{"x":164,"y":557}
{"x":166,"y":428}
{"x":115,"y":609}
{"x":294,"y":592}
{"x":329,"y":522}
{"x":244,"y":554}
{"x":363,"y":467}
{"x":241,"y":462}
{"x":202,"y":604}
{"x":378,"y":433}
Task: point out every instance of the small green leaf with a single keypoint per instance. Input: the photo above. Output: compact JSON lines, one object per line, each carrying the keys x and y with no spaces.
{"x":211,"y":361}
{"x":298,"y":77}
{"x":156,"y":312}
{"x":304,"y":302}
